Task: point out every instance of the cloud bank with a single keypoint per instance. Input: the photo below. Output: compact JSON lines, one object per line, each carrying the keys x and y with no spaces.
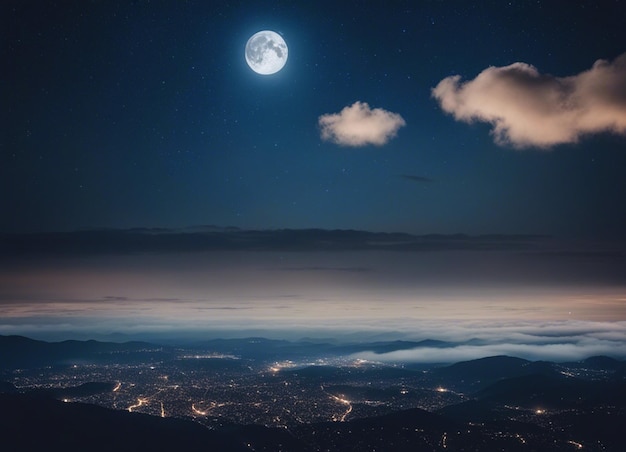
{"x":359,"y":125}
{"x":534,"y":352}
{"x":530,"y":109}
{"x":553,"y":341}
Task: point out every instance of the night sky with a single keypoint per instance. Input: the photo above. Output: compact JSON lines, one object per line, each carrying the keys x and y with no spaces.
{"x":124,"y":114}
{"x":433,"y":117}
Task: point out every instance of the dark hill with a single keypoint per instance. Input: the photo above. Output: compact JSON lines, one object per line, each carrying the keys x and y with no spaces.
{"x":554,"y":392}
{"x":474,"y":411}
{"x":19,"y":351}
{"x":40,"y":423}
{"x":480,"y":373}
{"x":604,"y":363}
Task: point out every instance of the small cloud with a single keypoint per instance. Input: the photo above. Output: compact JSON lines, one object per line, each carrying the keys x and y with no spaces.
{"x":359,"y":125}
{"x":530,"y":109}
{"x":415,"y":178}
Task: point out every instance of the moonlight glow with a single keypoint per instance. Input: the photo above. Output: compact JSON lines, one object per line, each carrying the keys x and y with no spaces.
{"x":266,"y":52}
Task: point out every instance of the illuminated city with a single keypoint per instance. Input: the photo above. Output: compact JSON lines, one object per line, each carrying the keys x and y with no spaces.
{"x":217,"y":389}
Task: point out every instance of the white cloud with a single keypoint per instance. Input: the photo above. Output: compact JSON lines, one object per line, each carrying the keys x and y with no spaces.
{"x":530,"y":109}
{"x":566,"y":350}
{"x":359,"y":125}
{"x":555,"y":341}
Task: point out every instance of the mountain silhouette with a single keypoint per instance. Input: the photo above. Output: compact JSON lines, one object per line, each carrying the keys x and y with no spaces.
{"x":40,"y":423}
{"x":20,"y":351}
{"x":470,"y":376}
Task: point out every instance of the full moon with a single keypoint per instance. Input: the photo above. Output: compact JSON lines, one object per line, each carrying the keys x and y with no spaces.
{"x":266,"y":52}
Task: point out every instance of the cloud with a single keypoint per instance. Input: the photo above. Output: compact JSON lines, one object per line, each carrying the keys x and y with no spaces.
{"x":530,"y":109}
{"x":550,"y":352}
{"x":359,"y":125}
{"x":558,"y":341}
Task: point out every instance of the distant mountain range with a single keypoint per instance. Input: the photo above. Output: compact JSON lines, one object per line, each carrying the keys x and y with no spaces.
{"x":261,"y":348}
{"x":20,"y":351}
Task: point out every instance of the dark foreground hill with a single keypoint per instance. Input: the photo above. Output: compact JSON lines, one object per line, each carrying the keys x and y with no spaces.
{"x":30,"y":423}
